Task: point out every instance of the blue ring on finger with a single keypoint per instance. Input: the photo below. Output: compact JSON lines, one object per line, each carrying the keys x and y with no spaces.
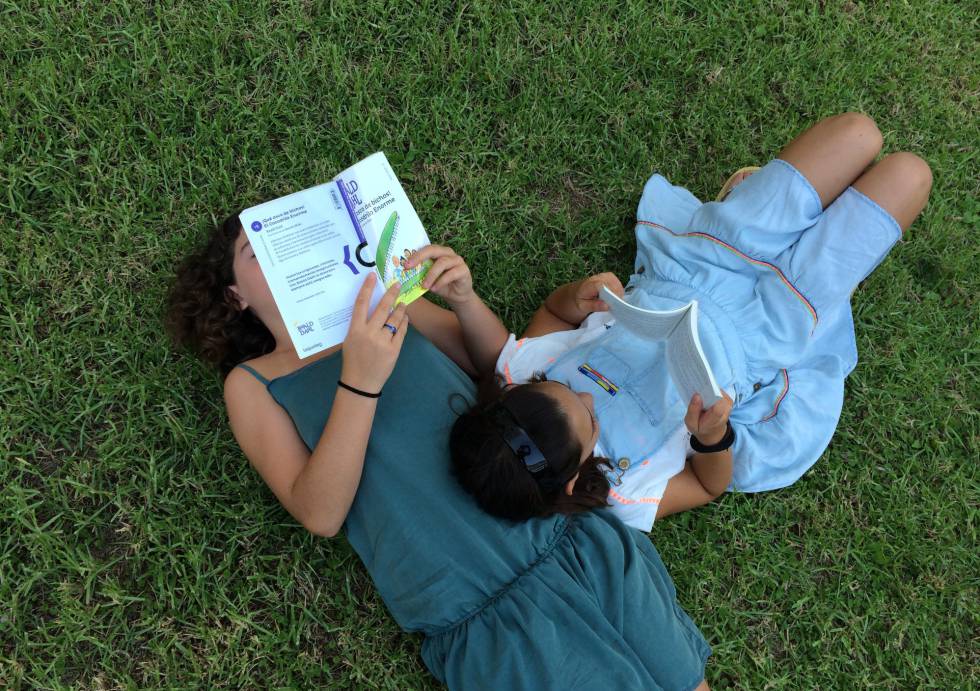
{"x":392,"y":329}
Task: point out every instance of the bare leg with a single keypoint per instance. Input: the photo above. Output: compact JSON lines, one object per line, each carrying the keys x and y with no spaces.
{"x":834,"y":152}
{"x":900,"y":184}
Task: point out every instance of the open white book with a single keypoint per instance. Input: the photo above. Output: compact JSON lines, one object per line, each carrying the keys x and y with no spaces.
{"x":315,"y":247}
{"x":689,"y":368}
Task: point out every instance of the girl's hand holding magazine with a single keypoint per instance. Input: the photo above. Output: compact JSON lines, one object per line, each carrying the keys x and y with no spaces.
{"x":374,"y":340}
{"x":449,"y":278}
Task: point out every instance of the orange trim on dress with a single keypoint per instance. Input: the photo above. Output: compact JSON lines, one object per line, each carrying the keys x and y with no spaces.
{"x":782,"y":395}
{"x":759,"y":262}
{"x":623,"y":500}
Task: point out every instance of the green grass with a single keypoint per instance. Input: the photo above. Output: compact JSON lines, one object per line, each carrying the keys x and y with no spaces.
{"x":137,"y":548}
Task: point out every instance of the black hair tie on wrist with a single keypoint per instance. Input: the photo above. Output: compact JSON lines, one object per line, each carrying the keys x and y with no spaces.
{"x":358,"y":391}
{"x":723,"y":445}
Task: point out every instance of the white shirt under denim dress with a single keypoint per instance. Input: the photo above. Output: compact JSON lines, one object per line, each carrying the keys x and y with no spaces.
{"x":772,"y":272}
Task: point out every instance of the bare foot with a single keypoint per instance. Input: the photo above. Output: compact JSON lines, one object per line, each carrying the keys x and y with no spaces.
{"x":734,"y":181}
{"x":739,"y":179}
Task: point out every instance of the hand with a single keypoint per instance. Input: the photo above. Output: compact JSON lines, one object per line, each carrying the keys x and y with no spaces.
{"x":448,"y":277}
{"x":710,"y":425}
{"x":587,"y":293}
{"x":370,"y":350}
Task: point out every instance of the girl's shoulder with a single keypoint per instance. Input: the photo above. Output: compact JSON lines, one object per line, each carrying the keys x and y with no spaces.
{"x":266,"y":368}
{"x":247,"y":378}
{"x":252,"y":377}
{"x":262,"y":369}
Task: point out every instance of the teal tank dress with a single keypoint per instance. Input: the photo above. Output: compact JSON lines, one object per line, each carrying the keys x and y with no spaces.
{"x":559,"y":603}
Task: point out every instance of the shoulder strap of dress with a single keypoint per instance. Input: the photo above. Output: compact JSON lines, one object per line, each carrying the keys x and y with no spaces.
{"x":258,"y":376}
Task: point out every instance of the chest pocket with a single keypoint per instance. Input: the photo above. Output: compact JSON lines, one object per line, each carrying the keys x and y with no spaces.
{"x":601,"y":373}
{"x":635,"y":404}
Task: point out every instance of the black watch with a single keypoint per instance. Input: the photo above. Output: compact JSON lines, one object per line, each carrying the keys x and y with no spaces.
{"x":723,"y":445}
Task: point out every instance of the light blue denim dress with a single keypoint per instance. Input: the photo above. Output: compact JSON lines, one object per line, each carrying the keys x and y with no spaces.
{"x":772,"y":272}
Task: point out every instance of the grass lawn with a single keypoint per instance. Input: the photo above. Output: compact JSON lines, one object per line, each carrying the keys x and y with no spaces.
{"x":137,"y":548}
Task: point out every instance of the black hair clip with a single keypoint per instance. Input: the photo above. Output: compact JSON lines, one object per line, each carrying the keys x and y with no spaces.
{"x":522,"y":445}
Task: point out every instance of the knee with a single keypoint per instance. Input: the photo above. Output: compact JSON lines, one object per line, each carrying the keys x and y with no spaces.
{"x":863,"y":131}
{"x":913,"y":173}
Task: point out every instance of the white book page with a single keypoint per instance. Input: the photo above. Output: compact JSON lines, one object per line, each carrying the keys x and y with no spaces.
{"x":651,"y":324}
{"x":688,"y":367}
{"x":305,"y":243}
{"x":385,"y":220}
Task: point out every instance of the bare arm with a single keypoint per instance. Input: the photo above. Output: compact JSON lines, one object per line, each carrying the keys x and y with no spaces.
{"x":318,"y":488}
{"x":706,"y":475}
{"x":442,"y":327}
{"x":482,"y":333}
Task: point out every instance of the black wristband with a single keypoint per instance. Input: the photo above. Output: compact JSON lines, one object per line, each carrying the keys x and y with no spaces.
{"x":723,"y":445}
{"x":358,"y":391}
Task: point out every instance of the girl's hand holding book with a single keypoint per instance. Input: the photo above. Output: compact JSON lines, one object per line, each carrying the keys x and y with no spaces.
{"x":373,"y":341}
{"x":587,"y":293}
{"x":709,"y":426}
{"x":448,"y":277}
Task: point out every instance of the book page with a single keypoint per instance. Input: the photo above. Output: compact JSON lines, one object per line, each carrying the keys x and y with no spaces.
{"x":386,"y":223}
{"x":305,"y":244}
{"x":688,"y":367}
{"x":651,"y":324}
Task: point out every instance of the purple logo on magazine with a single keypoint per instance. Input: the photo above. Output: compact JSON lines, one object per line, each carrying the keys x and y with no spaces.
{"x":256,"y":226}
{"x":348,"y":262}
{"x":305,"y":328}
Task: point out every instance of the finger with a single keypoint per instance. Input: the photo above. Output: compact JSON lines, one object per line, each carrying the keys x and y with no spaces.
{"x":723,"y":406}
{"x":363,"y":299}
{"x":610,"y":281}
{"x":395,"y":318}
{"x":693,"y":413}
{"x":616,"y":286}
{"x":428,"y":252}
{"x":437,"y":267}
{"x":440,"y":266}
{"x":448,"y":278}
{"x":590,"y":288}
{"x":399,"y":337}
{"x":726,"y":408}
{"x":713,"y":416}
{"x":383,"y":309}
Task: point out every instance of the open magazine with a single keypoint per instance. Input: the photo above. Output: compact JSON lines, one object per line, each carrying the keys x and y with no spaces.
{"x":688,"y":367}
{"x":315,"y":247}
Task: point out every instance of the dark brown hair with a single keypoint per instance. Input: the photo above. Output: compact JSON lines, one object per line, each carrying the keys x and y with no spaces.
{"x":487,"y":468}
{"x":203,"y":314}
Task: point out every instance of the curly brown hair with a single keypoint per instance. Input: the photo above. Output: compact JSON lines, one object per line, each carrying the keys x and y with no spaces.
{"x":203,"y":314}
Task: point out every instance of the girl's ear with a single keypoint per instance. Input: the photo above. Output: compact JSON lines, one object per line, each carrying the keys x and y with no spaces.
{"x":242,"y":304}
{"x":570,"y":485}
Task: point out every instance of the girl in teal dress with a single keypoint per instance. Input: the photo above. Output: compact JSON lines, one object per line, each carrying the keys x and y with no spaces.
{"x":563,"y":602}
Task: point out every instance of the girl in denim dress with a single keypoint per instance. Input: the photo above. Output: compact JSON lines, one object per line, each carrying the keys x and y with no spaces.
{"x":772,"y":266}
